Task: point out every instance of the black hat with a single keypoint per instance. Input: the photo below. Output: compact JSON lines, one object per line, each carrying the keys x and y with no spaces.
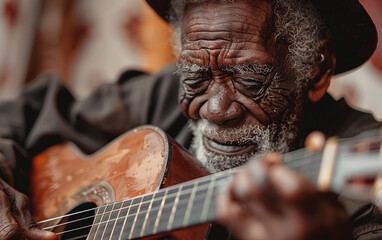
{"x":351,"y":27}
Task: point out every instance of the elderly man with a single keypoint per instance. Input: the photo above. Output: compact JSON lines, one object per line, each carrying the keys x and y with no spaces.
{"x":253,"y":76}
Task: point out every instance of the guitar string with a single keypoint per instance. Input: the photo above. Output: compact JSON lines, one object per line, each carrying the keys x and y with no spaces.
{"x":225,"y":173}
{"x":78,"y":237}
{"x":138,"y":226}
{"x":187,"y":183}
{"x":185,"y":192}
{"x":142,"y":213}
{"x":220,"y":182}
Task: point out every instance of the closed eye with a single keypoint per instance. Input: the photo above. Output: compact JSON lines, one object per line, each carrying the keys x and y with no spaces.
{"x":195,"y":82}
{"x":251,"y":86}
{"x":250,"y":82}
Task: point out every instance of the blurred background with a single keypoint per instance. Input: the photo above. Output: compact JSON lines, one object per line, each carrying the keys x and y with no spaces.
{"x":89,"y":42}
{"x":85,"y":42}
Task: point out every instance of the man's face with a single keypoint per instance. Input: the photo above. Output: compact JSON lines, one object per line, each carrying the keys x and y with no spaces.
{"x":237,"y":85}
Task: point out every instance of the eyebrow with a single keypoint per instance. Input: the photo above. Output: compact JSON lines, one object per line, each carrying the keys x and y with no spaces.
{"x":242,"y":68}
{"x":190,"y":67}
{"x":250,"y":67}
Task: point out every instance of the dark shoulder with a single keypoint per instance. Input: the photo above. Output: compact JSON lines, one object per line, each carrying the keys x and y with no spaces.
{"x":336,"y":118}
{"x":167,"y":74}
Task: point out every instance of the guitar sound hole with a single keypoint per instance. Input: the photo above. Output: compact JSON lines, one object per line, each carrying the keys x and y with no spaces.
{"x":77,"y":225}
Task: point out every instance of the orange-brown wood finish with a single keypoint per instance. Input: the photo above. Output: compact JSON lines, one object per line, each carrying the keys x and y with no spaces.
{"x":139,"y":162}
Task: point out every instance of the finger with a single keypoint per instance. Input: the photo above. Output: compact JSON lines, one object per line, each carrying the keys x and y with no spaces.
{"x":290,"y":187}
{"x":315,"y":141}
{"x":226,"y":207}
{"x":272,"y":158}
{"x":20,"y":216}
{"x":251,"y":187}
{"x":233,"y":216}
{"x":251,"y":182}
{"x":9,"y":228}
{"x":36,"y":234}
{"x":20,"y":208}
{"x":25,"y":220}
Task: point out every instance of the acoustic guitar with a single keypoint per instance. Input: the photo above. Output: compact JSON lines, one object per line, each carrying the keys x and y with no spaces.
{"x":145,"y":185}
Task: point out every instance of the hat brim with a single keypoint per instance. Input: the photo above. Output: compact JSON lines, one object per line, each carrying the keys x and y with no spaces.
{"x":352,"y":29}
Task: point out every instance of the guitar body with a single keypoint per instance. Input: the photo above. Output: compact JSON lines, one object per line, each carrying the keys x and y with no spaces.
{"x":138,"y":162}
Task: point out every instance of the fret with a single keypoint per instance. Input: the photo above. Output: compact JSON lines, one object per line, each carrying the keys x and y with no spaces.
{"x":173,"y":209}
{"x":208,"y":199}
{"x":147,"y":216}
{"x":112,"y":220}
{"x":107,"y":221}
{"x":121,"y":219}
{"x":211,"y":214}
{"x":182,"y":204}
{"x":160,"y":212}
{"x":103,"y":222}
{"x":154,"y":212}
{"x":189,"y":205}
{"x":219,"y":182}
{"x":130,"y":219}
{"x":140,"y":216}
{"x":166,"y":210}
{"x":95,"y":226}
{"x":198,"y":202}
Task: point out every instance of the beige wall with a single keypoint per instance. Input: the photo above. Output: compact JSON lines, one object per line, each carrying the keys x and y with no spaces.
{"x":85,"y":42}
{"x":17,"y":22}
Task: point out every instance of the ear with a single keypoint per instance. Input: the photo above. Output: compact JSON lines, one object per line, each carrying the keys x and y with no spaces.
{"x":323,"y":71}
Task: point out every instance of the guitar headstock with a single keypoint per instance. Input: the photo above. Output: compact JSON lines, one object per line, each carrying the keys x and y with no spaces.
{"x":357,"y":171}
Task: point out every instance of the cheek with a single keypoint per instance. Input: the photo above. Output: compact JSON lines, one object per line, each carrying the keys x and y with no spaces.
{"x":183,"y":100}
{"x":279,"y":98}
{"x":190,"y":104}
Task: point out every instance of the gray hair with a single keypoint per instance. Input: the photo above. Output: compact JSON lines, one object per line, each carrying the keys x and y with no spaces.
{"x":298,"y":22}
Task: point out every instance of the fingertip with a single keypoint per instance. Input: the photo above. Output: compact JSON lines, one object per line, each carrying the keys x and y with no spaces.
{"x":240,"y":186}
{"x":284,"y":179}
{"x":289,"y":184}
{"x":36,"y":233}
{"x":273,"y":158}
{"x":221,"y":204}
{"x":315,"y":141}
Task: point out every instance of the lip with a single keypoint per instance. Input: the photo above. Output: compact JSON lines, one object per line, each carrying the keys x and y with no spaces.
{"x":228,"y":149}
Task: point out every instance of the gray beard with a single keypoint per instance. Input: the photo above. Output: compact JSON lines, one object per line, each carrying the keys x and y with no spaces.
{"x":268,"y":139}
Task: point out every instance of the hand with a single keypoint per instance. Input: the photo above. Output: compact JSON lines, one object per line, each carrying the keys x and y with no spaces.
{"x":15,"y":218}
{"x":268,"y":201}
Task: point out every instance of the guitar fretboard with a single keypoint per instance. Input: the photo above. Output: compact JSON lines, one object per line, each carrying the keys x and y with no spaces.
{"x":172,"y":208}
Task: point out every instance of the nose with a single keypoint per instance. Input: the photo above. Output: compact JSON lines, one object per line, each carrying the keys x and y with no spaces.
{"x":221,"y":106}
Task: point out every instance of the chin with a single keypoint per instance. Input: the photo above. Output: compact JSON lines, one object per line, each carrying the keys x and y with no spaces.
{"x":223,"y":150}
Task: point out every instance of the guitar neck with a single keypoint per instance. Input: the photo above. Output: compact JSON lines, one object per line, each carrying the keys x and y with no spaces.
{"x":179,"y":206}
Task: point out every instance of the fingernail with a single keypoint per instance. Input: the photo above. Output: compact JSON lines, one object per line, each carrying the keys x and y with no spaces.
{"x":242,"y":187}
{"x":286,"y":180}
{"x":37,"y":233}
{"x":273,"y":158}
{"x":257,"y":172}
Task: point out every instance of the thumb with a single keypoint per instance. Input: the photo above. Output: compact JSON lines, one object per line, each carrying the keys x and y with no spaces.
{"x":38,"y":234}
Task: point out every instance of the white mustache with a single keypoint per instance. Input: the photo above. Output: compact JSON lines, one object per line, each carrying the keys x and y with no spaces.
{"x":251,"y":134}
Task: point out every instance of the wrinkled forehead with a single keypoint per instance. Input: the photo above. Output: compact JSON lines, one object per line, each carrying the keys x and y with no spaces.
{"x":231,"y":33}
{"x":240,"y":16}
